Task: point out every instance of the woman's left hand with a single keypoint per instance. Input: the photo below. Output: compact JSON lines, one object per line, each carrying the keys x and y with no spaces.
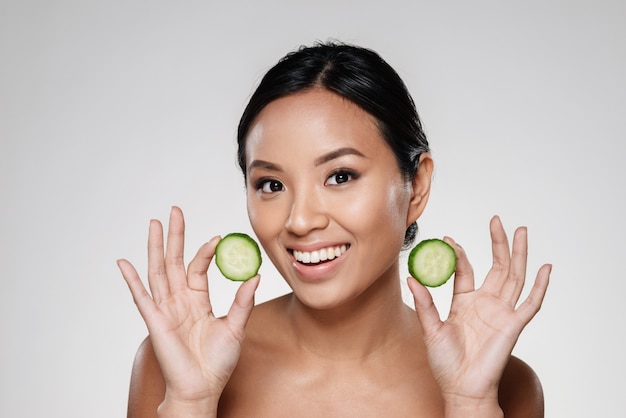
{"x":469,"y":351}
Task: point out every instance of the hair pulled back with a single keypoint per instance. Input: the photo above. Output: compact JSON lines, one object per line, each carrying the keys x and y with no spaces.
{"x":357,"y":74}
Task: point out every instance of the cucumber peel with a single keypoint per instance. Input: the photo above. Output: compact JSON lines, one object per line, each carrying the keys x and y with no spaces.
{"x":238,"y":257}
{"x":432,"y":262}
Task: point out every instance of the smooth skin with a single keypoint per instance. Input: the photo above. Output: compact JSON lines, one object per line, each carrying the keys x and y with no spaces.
{"x":343,"y":343}
{"x":197,"y":350}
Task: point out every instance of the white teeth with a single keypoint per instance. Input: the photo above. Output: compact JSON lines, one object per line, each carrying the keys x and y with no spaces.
{"x":323,"y":255}
{"x":314,"y":257}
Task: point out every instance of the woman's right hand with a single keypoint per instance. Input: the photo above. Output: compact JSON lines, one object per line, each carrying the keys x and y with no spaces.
{"x":197,"y":352}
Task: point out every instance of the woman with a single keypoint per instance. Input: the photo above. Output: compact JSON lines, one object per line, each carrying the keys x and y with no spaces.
{"x":335,"y":162}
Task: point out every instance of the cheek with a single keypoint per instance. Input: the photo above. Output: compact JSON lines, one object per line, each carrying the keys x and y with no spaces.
{"x":265,"y":219}
{"x":254,"y":215}
{"x":398,"y":199}
{"x":382,"y":212}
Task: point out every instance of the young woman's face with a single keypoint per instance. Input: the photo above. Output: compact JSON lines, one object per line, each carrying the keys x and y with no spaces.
{"x":325,"y":196}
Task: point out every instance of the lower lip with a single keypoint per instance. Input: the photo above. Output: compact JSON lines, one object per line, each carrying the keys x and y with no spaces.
{"x":318,"y":272}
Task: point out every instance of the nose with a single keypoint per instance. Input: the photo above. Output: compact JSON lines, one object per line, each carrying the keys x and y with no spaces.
{"x":307,"y":213}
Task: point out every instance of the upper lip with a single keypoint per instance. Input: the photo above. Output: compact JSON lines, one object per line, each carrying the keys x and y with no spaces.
{"x":314,"y":254}
{"x":315,"y":246}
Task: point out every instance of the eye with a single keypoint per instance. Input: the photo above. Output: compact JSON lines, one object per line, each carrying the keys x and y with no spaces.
{"x":269,"y":186}
{"x":341,"y":177}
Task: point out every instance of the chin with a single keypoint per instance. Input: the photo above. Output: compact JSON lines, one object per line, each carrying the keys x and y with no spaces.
{"x":324,"y":299}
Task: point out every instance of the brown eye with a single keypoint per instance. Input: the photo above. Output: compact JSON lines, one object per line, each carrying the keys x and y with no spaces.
{"x":271,"y":186}
{"x":340,"y":177}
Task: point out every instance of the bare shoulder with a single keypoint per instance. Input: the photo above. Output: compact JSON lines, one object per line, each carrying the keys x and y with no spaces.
{"x":521,"y":393}
{"x":147,"y":387}
{"x":265,"y":354}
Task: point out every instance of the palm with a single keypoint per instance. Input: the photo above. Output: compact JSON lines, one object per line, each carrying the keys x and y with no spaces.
{"x":184,"y":330}
{"x":473,"y":344}
{"x":469,"y":351}
{"x":196,"y":351}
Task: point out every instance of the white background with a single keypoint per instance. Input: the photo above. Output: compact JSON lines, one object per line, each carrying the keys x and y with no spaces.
{"x":113,"y":111}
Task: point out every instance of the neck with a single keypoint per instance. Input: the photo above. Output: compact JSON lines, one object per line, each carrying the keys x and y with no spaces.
{"x":357,"y":329}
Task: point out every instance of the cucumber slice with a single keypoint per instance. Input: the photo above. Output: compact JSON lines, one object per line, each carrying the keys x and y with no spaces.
{"x":238,"y":257}
{"x":432,"y":262}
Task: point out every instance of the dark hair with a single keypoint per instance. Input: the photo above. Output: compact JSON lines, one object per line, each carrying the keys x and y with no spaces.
{"x":359,"y":75}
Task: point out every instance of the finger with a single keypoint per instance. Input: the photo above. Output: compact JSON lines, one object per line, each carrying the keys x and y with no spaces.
{"x":157,"y":279}
{"x":501,"y":257}
{"x":241,"y":308}
{"x":144,"y":302}
{"x":517,"y":275}
{"x":197,"y":278}
{"x":532,"y":304}
{"x":174,"y":253}
{"x":425,"y":308}
{"x":464,"y":273}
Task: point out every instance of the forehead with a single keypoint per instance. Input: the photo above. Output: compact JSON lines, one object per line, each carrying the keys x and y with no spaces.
{"x":311,"y":123}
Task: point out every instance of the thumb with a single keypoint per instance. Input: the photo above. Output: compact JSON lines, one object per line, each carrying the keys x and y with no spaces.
{"x":426,"y":310}
{"x":241,"y":308}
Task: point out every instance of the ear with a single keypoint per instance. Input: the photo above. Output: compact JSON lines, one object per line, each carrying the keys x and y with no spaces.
{"x":421,"y":188}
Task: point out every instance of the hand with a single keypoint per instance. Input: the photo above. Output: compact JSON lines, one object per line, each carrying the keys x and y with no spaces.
{"x":197,"y":352}
{"x":468,"y":352}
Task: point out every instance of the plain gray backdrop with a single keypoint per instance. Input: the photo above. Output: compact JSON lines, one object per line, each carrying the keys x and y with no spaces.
{"x":113,"y":111}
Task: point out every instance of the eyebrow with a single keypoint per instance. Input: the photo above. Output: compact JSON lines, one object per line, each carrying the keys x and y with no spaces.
{"x":262,"y":164}
{"x":336,"y":154}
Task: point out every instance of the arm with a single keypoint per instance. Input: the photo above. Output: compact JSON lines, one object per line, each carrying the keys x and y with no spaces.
{"x":147,"y":385}
{"x":520,"y":393}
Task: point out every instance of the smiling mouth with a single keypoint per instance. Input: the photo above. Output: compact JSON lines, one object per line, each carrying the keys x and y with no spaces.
{"x":320,"y":256}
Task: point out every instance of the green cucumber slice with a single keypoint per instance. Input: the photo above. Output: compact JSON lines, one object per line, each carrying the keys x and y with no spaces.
{"x":238,"y":257}
{"x":432,"y":262}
